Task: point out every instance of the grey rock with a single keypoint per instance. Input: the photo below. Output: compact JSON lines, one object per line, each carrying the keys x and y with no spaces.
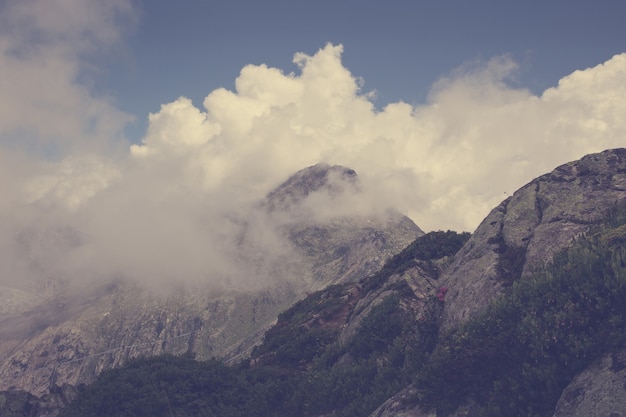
{"x":517,"y":237}
{"x":332,"y":180}
{"x":528,"y":228}
{"x":402,"y":405}
{"x":340,"y":243}
{"x":421,"y":278}
{"x":598,"y":391}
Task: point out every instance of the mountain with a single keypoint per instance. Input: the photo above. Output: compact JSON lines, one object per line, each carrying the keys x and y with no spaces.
{"x":69,"y":335}
{"x":317,"y":209}
{"x":528,"y":228}
{"x":575,"y":212}
{"x":340,"y":350}
{"x":525,"y":317}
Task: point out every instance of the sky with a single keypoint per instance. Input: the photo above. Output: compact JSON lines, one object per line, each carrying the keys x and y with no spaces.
{"x":130,"y":130}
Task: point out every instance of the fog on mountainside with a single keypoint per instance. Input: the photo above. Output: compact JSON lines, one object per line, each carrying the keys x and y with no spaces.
{"x":56,"y":330}
{"x":544,"y":280}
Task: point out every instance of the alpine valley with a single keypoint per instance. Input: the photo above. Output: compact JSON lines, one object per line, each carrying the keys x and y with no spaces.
{"x":365,"y":315}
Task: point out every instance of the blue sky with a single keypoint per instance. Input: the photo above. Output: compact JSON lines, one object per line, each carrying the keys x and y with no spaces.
{"x":399,"y":48}
{"x":154,"y":128}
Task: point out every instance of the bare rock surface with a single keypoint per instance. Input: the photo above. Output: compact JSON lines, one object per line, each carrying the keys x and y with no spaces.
{"x":600,"y":390}
{"x":529,"y":227}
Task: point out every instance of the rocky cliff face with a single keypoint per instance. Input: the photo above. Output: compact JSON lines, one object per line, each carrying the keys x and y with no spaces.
{"x":341,"y":320}
{"x":70,"y":336}
{"x":597,"y":391}
{"x":533,"y":224}
{"x":526,"y":229}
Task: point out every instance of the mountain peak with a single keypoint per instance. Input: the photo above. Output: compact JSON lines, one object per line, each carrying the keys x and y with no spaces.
{"x":322,"y":177}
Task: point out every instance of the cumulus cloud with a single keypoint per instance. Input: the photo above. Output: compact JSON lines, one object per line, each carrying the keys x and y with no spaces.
{"x":445,"y":163}
{"x":45,"y":46}
{"x":57,"y":136}
{"x":183,"y":205}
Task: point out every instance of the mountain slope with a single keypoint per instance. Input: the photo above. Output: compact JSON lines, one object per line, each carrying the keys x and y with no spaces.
{"x":342,"y":350}
{"x":71,"y":335}
{"x":320,"y":211}
{"x":528,"y":228}
{"x":508,"y":252}
{"x":526,"y":319}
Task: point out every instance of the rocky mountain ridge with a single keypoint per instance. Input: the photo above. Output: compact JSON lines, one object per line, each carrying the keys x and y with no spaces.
{"x":336,"y":336}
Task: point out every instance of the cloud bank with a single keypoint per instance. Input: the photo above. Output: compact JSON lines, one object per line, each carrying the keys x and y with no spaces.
{"x":176,"y":205}
{"x":445,"y":163}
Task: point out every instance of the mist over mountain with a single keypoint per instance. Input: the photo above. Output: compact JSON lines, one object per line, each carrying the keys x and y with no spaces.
{"x":545,"y":338}
{"x":306,"y":234}
{"x":81,"y":203}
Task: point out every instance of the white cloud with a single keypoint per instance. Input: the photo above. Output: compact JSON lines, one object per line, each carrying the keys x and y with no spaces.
{"x":72,"y":182}
{"x":49,"y":113}
{"x":181,"y":205}
{"x":44,"y":51}
{"x":446,"y":162}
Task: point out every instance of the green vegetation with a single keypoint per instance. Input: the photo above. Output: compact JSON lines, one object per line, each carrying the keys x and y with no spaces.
{"x":513,"y":360}
{"x":517,"y":357}
{"x":436,"y":245}
{"x":296,"y":339}
{"x":286,"y":384}
{"x":157,"y":386}
{"x":301,"y":369}
{"x":427,"y":248}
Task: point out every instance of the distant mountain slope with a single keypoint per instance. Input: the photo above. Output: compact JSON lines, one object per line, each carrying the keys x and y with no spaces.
{"x":341,"y":351}
{"x":316,"y":209}
{"x":70,"y":336}
{"x":346,"y":350}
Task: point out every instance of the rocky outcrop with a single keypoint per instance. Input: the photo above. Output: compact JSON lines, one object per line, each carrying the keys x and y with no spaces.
{"x":403,"y":404}
{"x":598,"y":391}
{"x":528,"y":228}
{"x":333,"y":181}
{"x":519,"y":235}
{"x":128,"y":322}
{"x":421,"y":278}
